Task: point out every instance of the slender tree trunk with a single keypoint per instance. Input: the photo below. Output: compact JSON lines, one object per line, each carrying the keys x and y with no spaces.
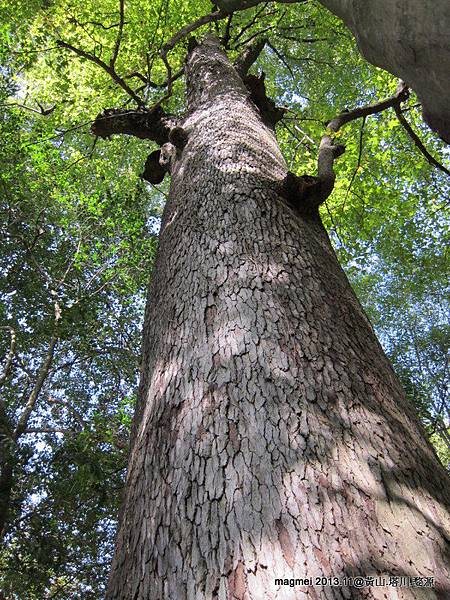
{"x":272,"y":438}
{"x":7,"y":448}
{"x":6,"y":485}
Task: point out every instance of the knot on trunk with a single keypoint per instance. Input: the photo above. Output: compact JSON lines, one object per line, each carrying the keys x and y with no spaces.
{"x":270,"y":112}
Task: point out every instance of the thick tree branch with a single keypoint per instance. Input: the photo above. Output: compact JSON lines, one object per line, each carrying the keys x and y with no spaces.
{"x":108,"y":68}
{"x":185,"y":31}
{"x":249,"y":56}
{"x":401,"y":94}
{"x":153,"y":124}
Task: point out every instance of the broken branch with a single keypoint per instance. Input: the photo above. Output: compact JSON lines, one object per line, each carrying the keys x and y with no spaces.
{"x":153,"y":124}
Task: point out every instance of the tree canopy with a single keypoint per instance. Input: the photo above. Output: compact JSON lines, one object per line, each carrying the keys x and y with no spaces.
{"x":79,"y":233}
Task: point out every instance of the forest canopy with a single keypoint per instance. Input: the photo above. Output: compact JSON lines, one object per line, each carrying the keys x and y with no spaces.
{"x":79,"y":233}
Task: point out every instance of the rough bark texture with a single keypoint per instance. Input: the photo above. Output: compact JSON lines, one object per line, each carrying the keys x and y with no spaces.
{"x":271,"y":439}
{"x":409,"y":38}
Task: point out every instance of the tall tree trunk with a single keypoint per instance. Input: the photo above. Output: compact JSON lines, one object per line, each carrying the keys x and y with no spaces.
{"x":272,"y":438}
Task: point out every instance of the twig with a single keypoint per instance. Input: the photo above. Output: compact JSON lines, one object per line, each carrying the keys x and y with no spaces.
{"x":84,"y":157}
{"x":282,"y":58}
{"x":30,"y":51}
{"x":110,"y":70}
{"x":251,"y":22}
{"x":335,"y":229}
{"x":303,"y":40}
{"x":418,"y":142}
{"x":42,"y":111}
{"x":62,"y":134}
{"x":252,"y":37}
{"x":151,"y":42}
{"x":46,"y":430}
{"x":98,"y":24}
{"x":358,"y":164}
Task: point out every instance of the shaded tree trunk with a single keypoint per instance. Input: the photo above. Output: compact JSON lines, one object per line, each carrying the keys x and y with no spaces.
{"x":6,"y":485}
{"x":271,"y":437}
{"x":7,"y":448}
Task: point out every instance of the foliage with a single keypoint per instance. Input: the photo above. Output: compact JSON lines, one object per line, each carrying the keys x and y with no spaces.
{"x":78,"y":242}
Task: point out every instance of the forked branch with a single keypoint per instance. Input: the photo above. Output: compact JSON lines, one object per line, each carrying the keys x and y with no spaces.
{"x":306,"y":192}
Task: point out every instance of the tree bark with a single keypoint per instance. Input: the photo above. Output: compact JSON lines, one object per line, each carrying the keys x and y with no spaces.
{"x":271,"y":437}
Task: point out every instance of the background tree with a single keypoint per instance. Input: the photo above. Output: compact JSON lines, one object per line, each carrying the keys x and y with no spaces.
{"x":369,"y":244}
{"x":407,"y":38}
